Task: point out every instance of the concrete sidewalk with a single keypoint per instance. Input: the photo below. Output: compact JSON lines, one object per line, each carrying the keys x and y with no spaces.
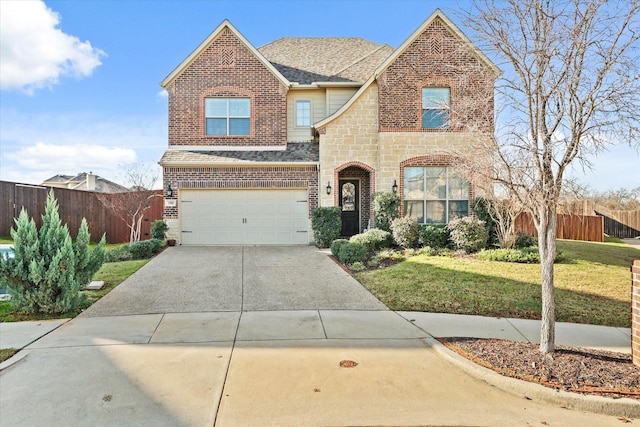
{"x":277,"y":368}
{"x":309,"y":324}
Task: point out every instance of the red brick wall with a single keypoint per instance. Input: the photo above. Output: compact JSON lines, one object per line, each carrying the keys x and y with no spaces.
{"x":436,"y":58}
{"x":241,"y":178}
{"x":635,"y":312}
{"x":227,"y":68}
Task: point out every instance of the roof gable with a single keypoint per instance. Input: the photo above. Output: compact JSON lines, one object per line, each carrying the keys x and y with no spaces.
{"x":211,"y":39}
{"x":453,"y":29}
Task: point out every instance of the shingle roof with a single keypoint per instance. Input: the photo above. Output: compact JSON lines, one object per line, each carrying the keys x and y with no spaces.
{"x":322,"y":59}
{"x":296,"y":152}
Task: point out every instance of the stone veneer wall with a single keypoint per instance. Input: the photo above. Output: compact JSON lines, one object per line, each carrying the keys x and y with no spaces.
{"x":635,"y":312}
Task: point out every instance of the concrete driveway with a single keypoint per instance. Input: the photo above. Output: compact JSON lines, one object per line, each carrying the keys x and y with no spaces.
{"x":236,"y":278}
{"x":240,"y":336}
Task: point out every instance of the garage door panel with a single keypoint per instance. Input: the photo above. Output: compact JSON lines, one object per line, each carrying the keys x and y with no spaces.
{"x":240,"y":217}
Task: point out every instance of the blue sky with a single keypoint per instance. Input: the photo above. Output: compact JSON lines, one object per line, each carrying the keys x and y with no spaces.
{"x":80,"y":91}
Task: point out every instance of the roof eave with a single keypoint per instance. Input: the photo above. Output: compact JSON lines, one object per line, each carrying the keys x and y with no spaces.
{"x":240,"y":163}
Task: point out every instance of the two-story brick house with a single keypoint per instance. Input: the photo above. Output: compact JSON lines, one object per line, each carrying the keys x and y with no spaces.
{"x":258,"y":137}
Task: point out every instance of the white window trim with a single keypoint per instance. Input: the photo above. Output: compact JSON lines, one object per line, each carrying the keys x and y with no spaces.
{"x":295,"y":119}
{"x":445,"y":109}
{"x":228,"y":116}
{"x":447,"y":199}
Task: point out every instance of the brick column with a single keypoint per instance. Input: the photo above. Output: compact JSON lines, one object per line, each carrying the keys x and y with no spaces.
{"x":635,"y":312}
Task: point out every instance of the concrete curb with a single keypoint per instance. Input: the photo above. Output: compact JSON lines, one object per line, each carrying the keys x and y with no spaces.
{"x":13,"y":360}
{"x":623,"y":407}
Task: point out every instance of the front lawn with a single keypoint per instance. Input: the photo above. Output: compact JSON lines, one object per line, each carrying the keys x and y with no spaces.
{"x":592,"y":285}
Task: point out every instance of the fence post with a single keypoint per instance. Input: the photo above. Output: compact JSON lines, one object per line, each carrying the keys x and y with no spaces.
{"x":635,"y":312}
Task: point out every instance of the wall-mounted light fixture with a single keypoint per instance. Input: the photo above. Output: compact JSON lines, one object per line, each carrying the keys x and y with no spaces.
{"x":328,"y":187}
{"x":394,"y":187}
{"x":169,"y":191}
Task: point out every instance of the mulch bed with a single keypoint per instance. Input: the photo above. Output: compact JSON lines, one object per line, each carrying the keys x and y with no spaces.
{"x":573,"y":369}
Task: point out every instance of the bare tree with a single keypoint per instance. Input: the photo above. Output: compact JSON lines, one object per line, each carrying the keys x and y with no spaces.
{"x":570,"y":86}
{"x":131,"y":205}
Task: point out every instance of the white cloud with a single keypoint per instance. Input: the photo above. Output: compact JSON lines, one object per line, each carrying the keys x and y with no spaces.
{"x":34,"y":53}
{"x":34,"y":147}
{"x":68,"y":157}
{"x":163,"y":94}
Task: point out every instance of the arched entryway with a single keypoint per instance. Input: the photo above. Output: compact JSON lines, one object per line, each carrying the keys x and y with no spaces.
{"x":355,"y":185}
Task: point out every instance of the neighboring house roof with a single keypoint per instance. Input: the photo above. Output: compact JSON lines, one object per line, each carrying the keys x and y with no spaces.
{"x":296,"y":152}
{"x":323,"y":59}
{"x":84,"y":182}
{"x":437,"y":14}
{"x":210,"y":39}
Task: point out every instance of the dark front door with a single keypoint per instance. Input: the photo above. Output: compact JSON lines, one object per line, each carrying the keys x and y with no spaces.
{"x":350,"y":205}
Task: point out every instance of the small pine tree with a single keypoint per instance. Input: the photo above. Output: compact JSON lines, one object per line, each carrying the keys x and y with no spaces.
{"x":87,"y":263}
{"x":47,"y":270}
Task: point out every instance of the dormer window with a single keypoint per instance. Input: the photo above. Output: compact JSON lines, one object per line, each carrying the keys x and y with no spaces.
{"x":227,"y":116}
{"x":435,"y":107}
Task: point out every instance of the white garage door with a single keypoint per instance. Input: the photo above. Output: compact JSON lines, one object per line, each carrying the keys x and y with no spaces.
{"x":244,"y":217}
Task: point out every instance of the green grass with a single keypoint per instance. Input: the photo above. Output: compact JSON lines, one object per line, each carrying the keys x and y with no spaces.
{"x":6,"y":353}
{"x":592,"y":285}
{"x":112,"y":273}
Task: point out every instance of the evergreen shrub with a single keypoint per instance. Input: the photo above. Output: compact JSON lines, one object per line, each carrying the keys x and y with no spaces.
{"x":434,"y":236}
{"x":352,"y":252}
{"x":373,"y":239}
{"x":48,"y":271}
{"x":326,"y":223}
{"x":405,"y":232}
{"x":467,"y":234}
{"x":386,"y":208}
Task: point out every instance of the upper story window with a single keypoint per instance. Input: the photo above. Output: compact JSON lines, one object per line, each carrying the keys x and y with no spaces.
{"x":228,"y":116}
{"x":435,"y":195}
{"x":435,"y":107}
{"x":303,"y":113}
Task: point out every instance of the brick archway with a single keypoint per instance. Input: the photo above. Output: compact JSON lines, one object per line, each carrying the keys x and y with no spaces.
{"x":366,"y":176}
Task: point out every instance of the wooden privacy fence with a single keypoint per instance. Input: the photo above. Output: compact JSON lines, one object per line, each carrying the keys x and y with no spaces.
{"x":73,"y":206}
{"x":571,"y":227}
{"x":617,"y":223}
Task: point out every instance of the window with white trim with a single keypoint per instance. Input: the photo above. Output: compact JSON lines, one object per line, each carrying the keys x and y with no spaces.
{"x":227,"y":116}
{"x":303,"y":113}
{"x":435,"y":107}
{"x":435,"y":195}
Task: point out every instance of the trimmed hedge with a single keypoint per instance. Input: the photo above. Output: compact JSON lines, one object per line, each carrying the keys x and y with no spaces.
{"x":337,"y":245}
{"x":434,"y":236}
{"x":352,"y":252}
{"x":326,"y":223}
{"x":373,"y":239}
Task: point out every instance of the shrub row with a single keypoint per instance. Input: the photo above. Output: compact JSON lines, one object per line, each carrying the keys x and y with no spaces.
{"x":140,"y":250}
{"x":360,"y":246}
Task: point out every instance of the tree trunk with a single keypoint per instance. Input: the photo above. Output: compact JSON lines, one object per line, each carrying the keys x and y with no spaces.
{"x":547,"y":228}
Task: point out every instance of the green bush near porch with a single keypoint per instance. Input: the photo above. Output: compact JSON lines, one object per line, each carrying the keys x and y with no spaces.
{"x":326,"y":223}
